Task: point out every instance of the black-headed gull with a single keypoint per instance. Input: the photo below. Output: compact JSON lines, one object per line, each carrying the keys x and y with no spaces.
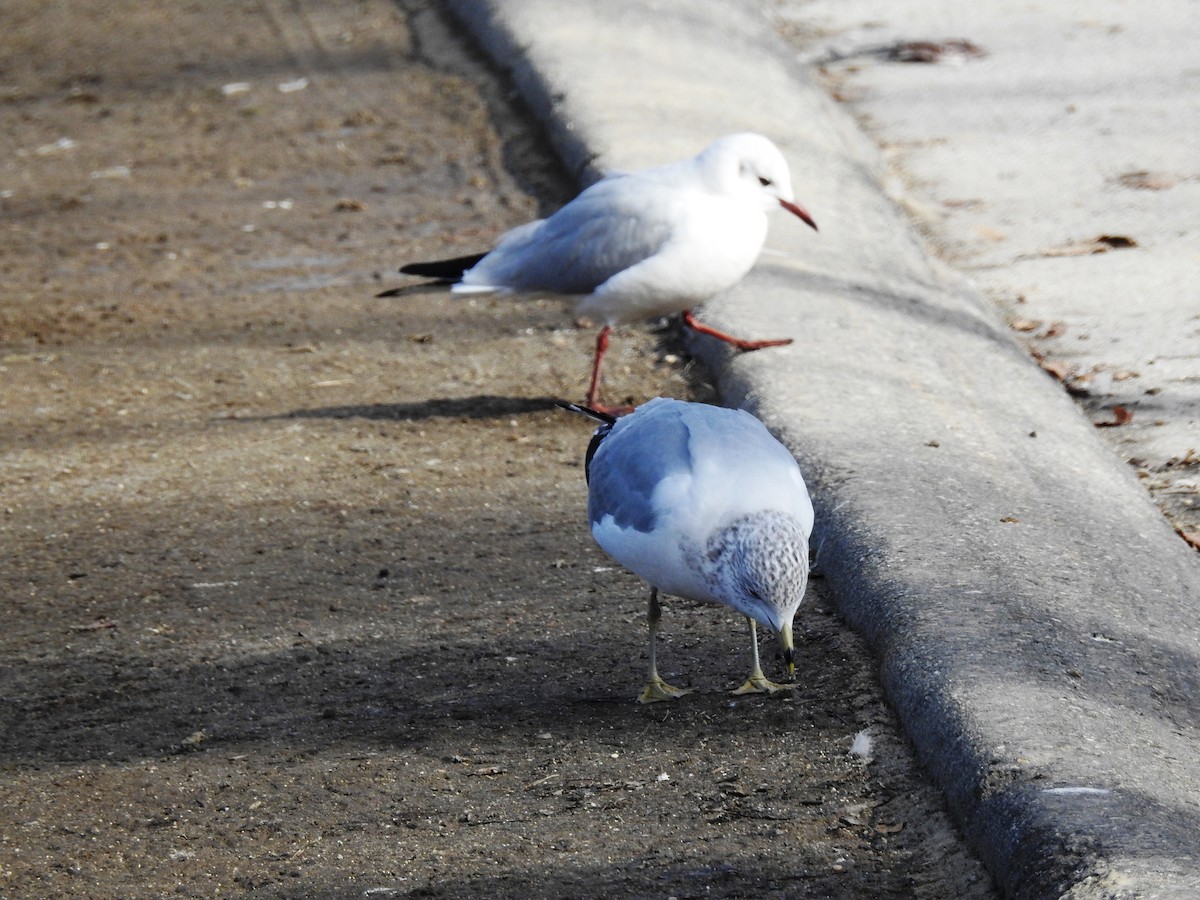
{"x":703,"y":503}
{"x":636,"y":245}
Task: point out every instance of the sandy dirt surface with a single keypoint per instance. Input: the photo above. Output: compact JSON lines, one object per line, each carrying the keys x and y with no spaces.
{"x":298,"y":597}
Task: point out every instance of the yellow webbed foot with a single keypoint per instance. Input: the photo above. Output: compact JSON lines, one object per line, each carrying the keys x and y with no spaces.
{"x":656,"y":689}
{"x":758,"y":683}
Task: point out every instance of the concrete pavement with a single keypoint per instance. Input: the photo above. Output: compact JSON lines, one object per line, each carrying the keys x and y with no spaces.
{"x":1056,"y":167}
{"x":1033,"y":613}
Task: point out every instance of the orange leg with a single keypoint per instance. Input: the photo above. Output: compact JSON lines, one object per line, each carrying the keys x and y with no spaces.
{"x":593,"y":394}
{"x":597,"y":361}
{"x":690,"y":321}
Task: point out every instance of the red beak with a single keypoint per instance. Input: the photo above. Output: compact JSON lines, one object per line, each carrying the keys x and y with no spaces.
{"x":799,"y":211}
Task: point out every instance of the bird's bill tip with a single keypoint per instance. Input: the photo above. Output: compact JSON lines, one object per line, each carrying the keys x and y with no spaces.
{"x":789,"y":650}
{"x":800,"y":212}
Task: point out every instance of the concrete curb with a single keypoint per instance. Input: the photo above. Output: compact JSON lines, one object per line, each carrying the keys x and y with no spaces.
{"x":1034,"y":615}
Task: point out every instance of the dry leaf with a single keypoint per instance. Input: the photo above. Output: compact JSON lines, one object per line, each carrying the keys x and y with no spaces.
{"x":955,"y":50}
{"x":1060,"y":371}
{"x":1025,"y":324}
{"x":1054,"y":329}
{"x":1191,"y":458}
{"x":889,"y":828}
{"x":1191,"y":538}
{"x":1099,"y":244}
{"x":1147,"y":181}
{"x":1121,"y":416}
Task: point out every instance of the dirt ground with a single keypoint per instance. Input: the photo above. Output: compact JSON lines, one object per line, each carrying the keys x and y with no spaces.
{"x":298,"y":595}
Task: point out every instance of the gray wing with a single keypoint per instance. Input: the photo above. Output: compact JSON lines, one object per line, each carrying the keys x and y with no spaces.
{"x":739,"y":447}
{"x":611,"y":226}
{"x":641,"y":450}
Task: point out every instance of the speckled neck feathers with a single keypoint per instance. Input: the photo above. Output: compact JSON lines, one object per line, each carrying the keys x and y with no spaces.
{"x":758,"y":564}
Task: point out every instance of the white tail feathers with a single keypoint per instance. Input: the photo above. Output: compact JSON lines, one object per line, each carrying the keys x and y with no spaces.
{"x":478,"y":289}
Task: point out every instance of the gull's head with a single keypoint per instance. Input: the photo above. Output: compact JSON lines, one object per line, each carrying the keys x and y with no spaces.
{"x":749,"y":166}
{"x":758,"y":565}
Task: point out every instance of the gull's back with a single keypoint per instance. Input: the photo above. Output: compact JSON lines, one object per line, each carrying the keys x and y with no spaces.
{"x":672,"y":474}
{"x":610,"y":227}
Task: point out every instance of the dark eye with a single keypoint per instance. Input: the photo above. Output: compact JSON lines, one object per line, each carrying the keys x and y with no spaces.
{"x":765,"y":182}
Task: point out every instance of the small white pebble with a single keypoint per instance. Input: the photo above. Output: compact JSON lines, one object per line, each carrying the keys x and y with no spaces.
{"x":862,"y":744}
{"x":63,"y":143}
{"x":112,"y":172}
{"x":288,"y":87}
{"x":663,"y":777}
{"x":235,"y":87}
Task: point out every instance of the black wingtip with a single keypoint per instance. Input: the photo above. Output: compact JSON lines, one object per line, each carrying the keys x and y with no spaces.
{"x":606,"y":423}
{"x":596,"y":414}
{"x":443,"y":269}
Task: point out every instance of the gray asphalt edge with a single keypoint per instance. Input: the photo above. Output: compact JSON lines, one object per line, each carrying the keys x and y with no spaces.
{"x":1033,"y":614}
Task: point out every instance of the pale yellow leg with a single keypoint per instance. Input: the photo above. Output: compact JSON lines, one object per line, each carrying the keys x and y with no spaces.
{"x":758,"y":683}
{"x":656,"y":689}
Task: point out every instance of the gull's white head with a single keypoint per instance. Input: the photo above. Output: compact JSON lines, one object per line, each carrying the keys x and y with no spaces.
{"x":749,"y":165}
{"x":758,"y":565}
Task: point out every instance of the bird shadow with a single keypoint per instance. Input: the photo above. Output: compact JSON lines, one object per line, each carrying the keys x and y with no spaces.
{"x":670,"y":338}
{"x":409,"y":290}
{"x":479,"y":406}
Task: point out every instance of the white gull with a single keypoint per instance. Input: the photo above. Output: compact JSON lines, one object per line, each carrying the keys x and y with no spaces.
{"x":636,"y":245}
